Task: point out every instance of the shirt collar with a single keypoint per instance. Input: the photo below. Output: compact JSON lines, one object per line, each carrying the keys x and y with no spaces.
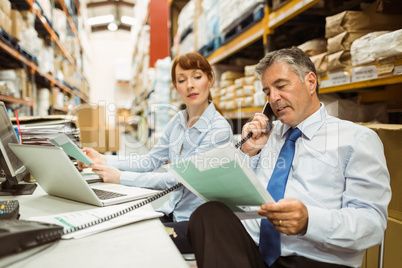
{"x":203,"y":124}
{"x":310,"y":125}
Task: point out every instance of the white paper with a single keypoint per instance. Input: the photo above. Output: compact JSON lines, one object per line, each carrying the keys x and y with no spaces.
{"x":78,"y":218}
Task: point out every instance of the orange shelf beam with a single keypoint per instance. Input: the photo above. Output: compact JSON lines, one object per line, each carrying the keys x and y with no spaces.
{"x":70,"y":21}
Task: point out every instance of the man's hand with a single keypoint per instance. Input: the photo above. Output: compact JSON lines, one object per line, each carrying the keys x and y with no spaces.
{"x":259,"y":138}
{"x":108,"y":174}
{"x":98,"y":158}
{"x":289,"y":216}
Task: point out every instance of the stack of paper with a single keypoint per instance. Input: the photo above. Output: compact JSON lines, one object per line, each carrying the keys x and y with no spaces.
{"x":38,"y":130}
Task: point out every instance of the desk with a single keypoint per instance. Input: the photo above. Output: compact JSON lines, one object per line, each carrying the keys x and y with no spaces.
{"x":141,"y":244}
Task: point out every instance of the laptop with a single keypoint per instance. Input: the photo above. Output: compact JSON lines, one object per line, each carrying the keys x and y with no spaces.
{"x":57,"y":175}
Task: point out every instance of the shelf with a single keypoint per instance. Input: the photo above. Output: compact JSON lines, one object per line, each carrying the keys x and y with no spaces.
{"x":55,"y":38}
{"x":71,"y":22}
{"x":267,"y":25}
{"x":6,"y":98}
{"x":238,"y":43}
{"x":363,"y":84}
{"x":14,"y":53}
{"x":289,"y":11}
{"x":243,"y":113}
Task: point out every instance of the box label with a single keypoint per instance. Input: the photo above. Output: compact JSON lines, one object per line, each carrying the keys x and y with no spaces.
{"x":364,"y":73}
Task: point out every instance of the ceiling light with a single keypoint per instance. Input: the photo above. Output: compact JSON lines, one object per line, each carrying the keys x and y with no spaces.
{"x":101,"y":20}
{"x":129,"y":20}
{"x":112,"y":26}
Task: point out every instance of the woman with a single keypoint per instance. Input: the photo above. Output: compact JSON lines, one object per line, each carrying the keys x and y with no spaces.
{"x":195,"y":130}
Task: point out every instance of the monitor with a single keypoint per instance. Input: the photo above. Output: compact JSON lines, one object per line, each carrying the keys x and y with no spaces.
{"x":11,"y":168}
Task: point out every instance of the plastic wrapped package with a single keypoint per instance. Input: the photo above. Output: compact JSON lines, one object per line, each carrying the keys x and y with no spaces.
{"x":361,"y":49}
{"x":60,"y":24}
{"x":46,"y":60}
{"x":188,"y":44}
{"x":232,"y":10}
{"x":42,"y":102}
{"x":387,"y":45}
{"x":186,"y":18}
{"x":30,"y":41}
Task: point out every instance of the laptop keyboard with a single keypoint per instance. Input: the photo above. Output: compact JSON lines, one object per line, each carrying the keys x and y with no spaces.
{"x":104,"y":195}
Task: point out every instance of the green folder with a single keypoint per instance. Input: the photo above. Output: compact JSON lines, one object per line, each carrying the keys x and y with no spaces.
{"x":223,"y":175}
{"x":70,"y":148}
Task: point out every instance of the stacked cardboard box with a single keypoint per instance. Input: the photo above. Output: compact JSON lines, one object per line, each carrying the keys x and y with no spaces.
{"x":391,"y":137}
{"x":227,"y":89}
{"x":95,"y":131}
{"x":91,"y":121}
{"x":5,"y":16}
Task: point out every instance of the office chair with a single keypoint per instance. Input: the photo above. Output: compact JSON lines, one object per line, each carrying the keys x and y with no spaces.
{"x":381,"y":253}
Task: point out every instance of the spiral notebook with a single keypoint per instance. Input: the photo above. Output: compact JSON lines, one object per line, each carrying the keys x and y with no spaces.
{"x":87,"y":222}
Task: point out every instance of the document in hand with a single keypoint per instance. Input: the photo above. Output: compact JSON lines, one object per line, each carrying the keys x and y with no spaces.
{"x":223,"y":175}
{"x":71,"y":148}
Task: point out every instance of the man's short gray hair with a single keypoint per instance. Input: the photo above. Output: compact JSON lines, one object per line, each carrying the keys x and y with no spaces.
{"x":298,"y":62}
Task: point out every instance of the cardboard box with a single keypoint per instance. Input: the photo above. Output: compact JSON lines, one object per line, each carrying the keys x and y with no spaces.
{"x":391,"y":137}
{"x":392,"y":247}
{"x":91,"y":116}
{"x":6,"y":7}
{"x":17,"y":21}
{"x":113,"y":138}
{"x":94,"y":138}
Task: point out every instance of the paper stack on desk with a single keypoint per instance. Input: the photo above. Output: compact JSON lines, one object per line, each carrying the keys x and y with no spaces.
{"x":86,"y":217}
{"x":223,"y":175}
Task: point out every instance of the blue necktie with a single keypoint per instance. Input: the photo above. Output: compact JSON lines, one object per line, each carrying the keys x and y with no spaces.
{"x":270,"y":239}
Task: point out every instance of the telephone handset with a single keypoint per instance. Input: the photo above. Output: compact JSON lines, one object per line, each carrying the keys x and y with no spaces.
{"x":267,"y":110}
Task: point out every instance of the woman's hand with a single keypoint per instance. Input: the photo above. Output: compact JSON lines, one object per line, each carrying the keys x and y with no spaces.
{"x":108,"y":174}
{"x":98,"y":158}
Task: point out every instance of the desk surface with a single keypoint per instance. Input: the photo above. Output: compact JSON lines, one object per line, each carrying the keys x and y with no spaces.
{"x":141,"y":244}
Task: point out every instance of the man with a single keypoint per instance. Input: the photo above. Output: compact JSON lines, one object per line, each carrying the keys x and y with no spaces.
{"x":333,"y":205}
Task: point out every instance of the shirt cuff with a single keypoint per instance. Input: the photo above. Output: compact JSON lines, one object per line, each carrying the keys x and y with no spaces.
{"x":319,"y":224}
{"x":251,"y":161}
{"x":112,"y":160}
{"x":126,"y":178}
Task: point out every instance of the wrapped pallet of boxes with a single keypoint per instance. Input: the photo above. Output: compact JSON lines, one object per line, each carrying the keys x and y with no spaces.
{"x":91,"y":121}
{"x":391,"y":137}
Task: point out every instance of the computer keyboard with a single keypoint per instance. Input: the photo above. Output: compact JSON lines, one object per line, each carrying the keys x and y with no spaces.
{"x":104,"y":195}
{"x":18,"y":235}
